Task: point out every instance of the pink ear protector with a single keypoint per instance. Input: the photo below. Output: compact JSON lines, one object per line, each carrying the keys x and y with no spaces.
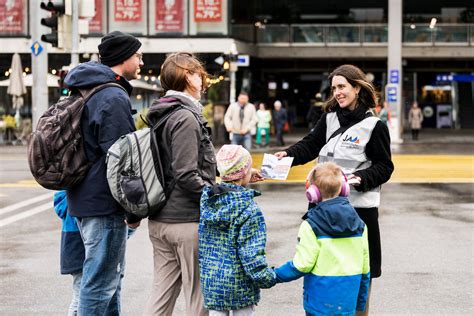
{"x":314,"y":195}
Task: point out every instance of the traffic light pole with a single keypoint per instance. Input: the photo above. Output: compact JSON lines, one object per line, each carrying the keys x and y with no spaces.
{"x":39,"y":64}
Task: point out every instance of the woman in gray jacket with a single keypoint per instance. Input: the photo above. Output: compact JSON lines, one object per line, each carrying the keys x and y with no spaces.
{"x":189,"y":165}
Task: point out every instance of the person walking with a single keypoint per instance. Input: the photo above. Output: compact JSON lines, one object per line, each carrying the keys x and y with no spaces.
{"x":359,"y":142}
{"x":239,"y":120}
{"x":280,"y":118}
{"x":101,"y":220}
{"x":415,"y":118}
{"x":263,"y":125}
{"x":232,"y":237}
{"x":189,"y":165}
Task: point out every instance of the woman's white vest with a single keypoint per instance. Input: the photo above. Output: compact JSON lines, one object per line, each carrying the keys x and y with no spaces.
{"x":348,"y":151}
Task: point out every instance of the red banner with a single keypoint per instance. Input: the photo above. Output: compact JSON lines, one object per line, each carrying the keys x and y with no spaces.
{"x":11,"y":16}
{"x":208,"y":10}
{"x":95,"y":24}
{"x":169,"y":16}
{"x":128,"y":10}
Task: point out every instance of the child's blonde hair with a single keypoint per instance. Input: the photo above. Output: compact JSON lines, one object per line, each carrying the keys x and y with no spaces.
{"x":327,"y":176}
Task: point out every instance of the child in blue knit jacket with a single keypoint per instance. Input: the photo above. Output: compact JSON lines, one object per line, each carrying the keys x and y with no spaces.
{"x":232,"y":239}
{"x":72,"y":248}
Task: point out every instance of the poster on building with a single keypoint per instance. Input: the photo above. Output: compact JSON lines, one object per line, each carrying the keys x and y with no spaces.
{"x":208,"y":10}
{"x":95,"y":24}
{"x":169,"y":16}
{"x":128,"y":10}
{"x":11,"y":16}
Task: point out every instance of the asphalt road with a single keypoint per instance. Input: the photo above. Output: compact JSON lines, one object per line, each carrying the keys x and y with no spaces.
{"x":427,"y":242}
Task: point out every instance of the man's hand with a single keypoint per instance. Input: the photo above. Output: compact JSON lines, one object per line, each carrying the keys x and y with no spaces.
{"x":134,"y":225}
{"x":256,"y":176}
{"x":243,"y":131}
{"x":280,"y":154}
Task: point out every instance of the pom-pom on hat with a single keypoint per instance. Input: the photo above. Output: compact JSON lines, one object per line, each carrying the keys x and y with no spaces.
{"x":116,"y":47}
{"x":233,"y":162}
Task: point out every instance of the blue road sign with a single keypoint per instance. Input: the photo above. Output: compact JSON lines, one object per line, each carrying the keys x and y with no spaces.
{"x":394,"y":76}
{"x":392,"y":94}
{"x":36,"y":48}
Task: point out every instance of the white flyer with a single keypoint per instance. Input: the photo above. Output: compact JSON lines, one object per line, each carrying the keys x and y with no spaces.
{"x":275,"y":169}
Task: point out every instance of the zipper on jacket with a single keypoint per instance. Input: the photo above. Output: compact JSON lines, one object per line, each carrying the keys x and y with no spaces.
{"x":130,"y":148}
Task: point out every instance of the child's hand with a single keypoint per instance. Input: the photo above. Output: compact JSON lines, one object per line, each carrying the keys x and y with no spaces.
{"x":256,"y":176}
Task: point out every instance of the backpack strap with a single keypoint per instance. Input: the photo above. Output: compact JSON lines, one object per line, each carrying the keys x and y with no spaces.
{"x":88,"y":93}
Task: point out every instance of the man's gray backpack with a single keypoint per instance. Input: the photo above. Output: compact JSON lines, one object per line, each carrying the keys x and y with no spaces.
{"x":135,"y":174}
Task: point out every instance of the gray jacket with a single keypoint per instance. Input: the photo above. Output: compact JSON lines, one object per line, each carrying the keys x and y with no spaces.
{"x":187,"y":156}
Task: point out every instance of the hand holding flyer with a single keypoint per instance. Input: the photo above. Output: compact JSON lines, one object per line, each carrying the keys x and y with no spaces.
{"x":275,"y":169}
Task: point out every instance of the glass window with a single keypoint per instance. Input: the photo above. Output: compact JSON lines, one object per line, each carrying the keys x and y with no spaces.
{"x":13,"y":17}
{"x":168,"y":17}
{"x":208,"y":17}
{"x":343,"y":34}
{"x":308,"y":34}
{"x":128,"y":16}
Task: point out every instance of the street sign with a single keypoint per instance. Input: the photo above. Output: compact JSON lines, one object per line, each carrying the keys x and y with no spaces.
{"x":392,"y":94}
{"x":219,"y":60}
{"x":243,"y":60}
{"x":394,"y":76}
{"x":36,"y":48}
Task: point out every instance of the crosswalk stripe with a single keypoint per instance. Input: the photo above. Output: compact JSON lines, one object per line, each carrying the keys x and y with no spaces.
{"x":25,"y":214}
{"x":21,"y":204}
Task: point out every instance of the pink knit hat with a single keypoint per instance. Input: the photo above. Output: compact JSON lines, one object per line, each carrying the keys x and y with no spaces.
{"x":233,"y":162}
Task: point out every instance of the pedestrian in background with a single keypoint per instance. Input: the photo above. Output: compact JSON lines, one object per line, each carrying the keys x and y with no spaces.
{"x":280,"y":118}
{"x":315,"y":111}
{"x":72,"y":249}
{"x":415,"y":118}
{"x":239,"y":120}
{"x":101,"y":220}
{"x":384,"y":114}
{"x":189,"y":165}
{"x":232,"y":238}
{"x":359,"y":142}
{"x":332,"y":251}
{"x":264,"y":118}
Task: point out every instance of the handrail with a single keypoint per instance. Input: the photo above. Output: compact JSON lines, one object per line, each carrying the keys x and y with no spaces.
{"x":363,"y":34}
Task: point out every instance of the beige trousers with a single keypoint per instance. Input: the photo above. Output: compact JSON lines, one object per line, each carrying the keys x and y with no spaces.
{"x":176,"y":265}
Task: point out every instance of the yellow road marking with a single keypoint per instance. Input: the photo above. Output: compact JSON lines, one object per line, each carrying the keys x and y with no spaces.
{"x":408,"y":169}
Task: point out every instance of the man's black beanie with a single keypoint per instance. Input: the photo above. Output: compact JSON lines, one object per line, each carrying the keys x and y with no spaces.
{"x":116,"y":47}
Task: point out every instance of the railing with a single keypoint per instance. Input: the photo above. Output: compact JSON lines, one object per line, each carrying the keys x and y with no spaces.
{"x":353,"y":34}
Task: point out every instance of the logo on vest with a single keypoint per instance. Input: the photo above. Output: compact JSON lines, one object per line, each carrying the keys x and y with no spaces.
{"x":350,"y":142}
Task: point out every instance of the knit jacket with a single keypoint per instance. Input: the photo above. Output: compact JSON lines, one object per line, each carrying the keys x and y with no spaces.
{"x":232,"y":239}
{"x":333,"y":256}
{"x":72,"y":246}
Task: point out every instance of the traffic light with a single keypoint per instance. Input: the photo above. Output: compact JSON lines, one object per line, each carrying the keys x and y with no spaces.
{"x":54,"y":22}
{"x":63,"y":89}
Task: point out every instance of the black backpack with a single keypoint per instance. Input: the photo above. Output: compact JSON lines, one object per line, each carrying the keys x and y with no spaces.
{"x":56,"y":153}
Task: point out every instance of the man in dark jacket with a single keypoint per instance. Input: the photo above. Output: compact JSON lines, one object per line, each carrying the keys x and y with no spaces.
{"x":102,"y":221}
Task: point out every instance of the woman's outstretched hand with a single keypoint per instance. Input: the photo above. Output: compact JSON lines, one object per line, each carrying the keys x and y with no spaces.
{"x":280,"y":154}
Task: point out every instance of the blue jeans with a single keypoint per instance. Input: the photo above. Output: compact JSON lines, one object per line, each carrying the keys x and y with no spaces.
{"x":104,"y":239}
{"x":242,"y":139}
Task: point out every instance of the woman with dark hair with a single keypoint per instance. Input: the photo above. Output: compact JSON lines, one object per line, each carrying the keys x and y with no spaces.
{"x":189,"y":164}
{"x":351,"y":136}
